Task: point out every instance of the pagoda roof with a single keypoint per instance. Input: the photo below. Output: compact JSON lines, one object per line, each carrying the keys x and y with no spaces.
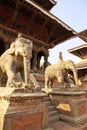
{"x":80,"y":51}
{"x":82,"y":68}
{"x":59,"y":31}
{"x":54,"y":18}
{"x":83,"y":35}
{"x":47,"y":4}
{"x":62,"y":32}
{"x":82,"y":64}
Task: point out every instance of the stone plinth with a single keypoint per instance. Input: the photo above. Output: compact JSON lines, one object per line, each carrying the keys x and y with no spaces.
{"x":84,"y":88}
{"x":22,"y":111}
{"x":71,"y":105}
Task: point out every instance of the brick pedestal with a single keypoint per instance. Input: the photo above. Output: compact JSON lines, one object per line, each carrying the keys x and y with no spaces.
{"x":22,"y":111}
{"x":71,"y":105}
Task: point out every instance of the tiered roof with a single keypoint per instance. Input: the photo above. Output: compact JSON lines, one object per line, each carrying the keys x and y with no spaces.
{"x":58,"y":31}
{"x":47,"y":4}
{"x":81,"y":51}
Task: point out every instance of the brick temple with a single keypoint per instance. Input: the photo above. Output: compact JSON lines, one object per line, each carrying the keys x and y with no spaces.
{"x":33,"y":19}
{"x":37,"y":110}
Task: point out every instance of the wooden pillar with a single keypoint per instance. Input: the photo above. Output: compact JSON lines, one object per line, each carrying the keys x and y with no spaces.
{"x":45,"y":61}
{"x":38,"y":62}
{"x":34,"y":62}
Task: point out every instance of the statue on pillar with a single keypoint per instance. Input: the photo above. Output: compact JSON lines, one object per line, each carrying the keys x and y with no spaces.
{"x":15,"y":60}
{"x":58,"y":71}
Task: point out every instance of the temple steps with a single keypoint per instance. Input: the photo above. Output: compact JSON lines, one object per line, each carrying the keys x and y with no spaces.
{"x":33,"y":79}
{"x":40,"y":79}
{"x":52,"y":112}
{"x":53,"y":119}
{"x":51,"y":108}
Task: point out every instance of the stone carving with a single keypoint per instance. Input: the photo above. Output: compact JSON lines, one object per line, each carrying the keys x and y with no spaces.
{"x":17,"y":59}
{"x":58,"y":71}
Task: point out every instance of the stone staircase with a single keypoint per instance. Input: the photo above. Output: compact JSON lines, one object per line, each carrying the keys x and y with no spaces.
{"x":34,"y":81}
{"x":40,"y":79}
{"x":37,"y":80}
{"x":52,"y":112}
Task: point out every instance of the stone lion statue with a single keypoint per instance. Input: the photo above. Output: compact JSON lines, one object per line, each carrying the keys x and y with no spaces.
{"x":17,"y":59}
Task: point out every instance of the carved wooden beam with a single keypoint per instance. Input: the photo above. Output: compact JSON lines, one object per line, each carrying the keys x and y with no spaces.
{"x":14,"y":33}
{"x":56,"y":40}
{"x":42,"y":27}
{"x":81,"y":53}
{"x":51,"y":34}
{"x":33,"y":16}
{"x":83,"y":35}
{"x":17,"y":7}
{"x":78,"y":54}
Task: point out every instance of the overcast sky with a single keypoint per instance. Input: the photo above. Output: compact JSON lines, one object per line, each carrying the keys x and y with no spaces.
{"x":73,"y":13}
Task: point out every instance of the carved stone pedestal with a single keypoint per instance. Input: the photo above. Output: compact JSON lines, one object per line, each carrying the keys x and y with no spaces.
{"x":84,"y":88}
{"x":22,"y":111}
{"x":71,"y":105}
